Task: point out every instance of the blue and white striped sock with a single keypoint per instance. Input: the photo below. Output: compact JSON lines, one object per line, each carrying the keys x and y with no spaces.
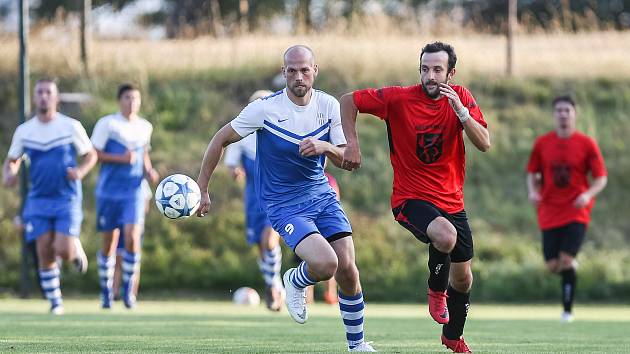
{"x":106,"y":277}
{"x":351,"y":308}
{"x":270,"y":265}
{"x":299,"y":277}
{"x":49,"y":280}
{"x":130,"y":264}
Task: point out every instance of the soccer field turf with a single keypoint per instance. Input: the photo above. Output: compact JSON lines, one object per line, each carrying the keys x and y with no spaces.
{"x":220,"y":327}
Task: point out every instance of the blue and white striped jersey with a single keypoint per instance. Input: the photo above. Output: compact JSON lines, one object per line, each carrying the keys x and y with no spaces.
{"x":115,"y":134}
{"x":51,"y":148}
{"x":284,"y":177}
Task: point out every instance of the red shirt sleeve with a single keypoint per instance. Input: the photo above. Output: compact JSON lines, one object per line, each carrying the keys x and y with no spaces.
{"x":372,"y":101}
{"x":534,"y":164}
{"x":596,"y":161}
{"x":469,"y":102}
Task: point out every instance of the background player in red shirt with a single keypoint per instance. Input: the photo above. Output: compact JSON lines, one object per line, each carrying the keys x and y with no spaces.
{"x":557,"y":181}
{"x":424,"y":125}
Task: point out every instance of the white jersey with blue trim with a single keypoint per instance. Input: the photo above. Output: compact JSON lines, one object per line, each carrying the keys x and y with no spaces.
{"x":115,"y":134}
{"x":51,"y":148}
{"x":245,"y":147}
{"x":283,"y":176}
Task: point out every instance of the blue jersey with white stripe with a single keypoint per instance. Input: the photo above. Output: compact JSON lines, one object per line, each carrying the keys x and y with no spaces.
{"x":283,"y":176}
{"x":115,"y":134}
{"x":50,"y":148}
{"x":243,"y":153}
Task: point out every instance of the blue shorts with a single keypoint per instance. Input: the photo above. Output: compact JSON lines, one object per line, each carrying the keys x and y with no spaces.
{"x":256,"y":223}
{"x":69,"y":224}
{"x":322,"y":215}
{"x":111,"y":213}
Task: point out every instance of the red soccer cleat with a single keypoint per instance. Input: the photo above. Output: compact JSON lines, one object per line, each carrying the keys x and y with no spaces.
{"x":456,"y":345}
{"x":437,"y":306}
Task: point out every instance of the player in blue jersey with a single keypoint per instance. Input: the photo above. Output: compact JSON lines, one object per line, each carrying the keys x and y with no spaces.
{"x":296,"y":129}
{"x":122,"y":141}
{"x":240,"y":158}
{"x":52,"y":214}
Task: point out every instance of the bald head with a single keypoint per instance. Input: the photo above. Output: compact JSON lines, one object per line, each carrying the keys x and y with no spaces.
{"x":299,"y":53}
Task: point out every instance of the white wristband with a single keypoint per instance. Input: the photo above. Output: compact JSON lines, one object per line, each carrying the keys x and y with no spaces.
{"x":463,"y":114}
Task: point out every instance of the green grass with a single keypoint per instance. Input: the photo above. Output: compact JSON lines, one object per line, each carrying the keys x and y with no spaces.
{"x":220,"y":327}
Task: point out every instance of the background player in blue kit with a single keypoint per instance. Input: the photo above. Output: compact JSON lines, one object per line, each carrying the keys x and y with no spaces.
{"x":297,"y":128}
{"x":122,"y":141}
{"x":240,"y":157}
{"x":52,"y":213}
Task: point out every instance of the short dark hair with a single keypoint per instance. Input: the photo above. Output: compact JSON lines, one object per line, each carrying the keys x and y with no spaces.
{"x":436,"y":47}
{"x":124,"y":88}
{"x":563,"y":98}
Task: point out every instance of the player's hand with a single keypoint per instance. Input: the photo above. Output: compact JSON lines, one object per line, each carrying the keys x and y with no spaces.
{"x":312,"y":147}
{"x":453,"y":99}
{"x":351,"y":158}
{"x":582,"y":200}
{"x":74,"y":174}
{"x":9,"y":180}
{"x":153,"y":175}
{"x":238,"y":173}
{"x":534,"y":197}
{"x":204,"y":205}
{"x":129,"y":157}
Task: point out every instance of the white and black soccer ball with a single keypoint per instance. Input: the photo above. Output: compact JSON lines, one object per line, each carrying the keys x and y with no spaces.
{"x":177,"y":196}
{"x":246,"y":297}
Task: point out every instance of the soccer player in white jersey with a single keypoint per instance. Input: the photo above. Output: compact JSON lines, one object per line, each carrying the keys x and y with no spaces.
{"x":240,"y":158}
{"x":52,"y":214}
{"x":122,"y":142}
{"x":296,"y":129}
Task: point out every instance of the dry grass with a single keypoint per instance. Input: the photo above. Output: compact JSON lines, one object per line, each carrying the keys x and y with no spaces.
{"x":389,"y":58}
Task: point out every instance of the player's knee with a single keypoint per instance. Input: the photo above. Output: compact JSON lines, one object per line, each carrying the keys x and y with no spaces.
{"x":565,"y":263}
{"x":552,"y":265}
{"x":324,"y":268}
{"x":348,"y":273}
{"x":63,"y":252}
{"x":445,"y":240}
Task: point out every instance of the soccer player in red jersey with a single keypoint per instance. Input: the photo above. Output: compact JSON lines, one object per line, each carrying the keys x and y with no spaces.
{"x":558,"y":185}
{"x":424,"y":126}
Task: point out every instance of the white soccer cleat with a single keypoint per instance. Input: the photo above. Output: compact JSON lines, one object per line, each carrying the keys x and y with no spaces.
{"x":566,"y":317}
{"x":81,"y":261}
{"x":295,"y":299}
{"x":57,"y":310}
{"x":365,"y":347}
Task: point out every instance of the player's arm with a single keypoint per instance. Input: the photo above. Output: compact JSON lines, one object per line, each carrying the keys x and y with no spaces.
{"x":533,"y":187}
{"x":477,"y":133}
{"x":10,"y":170}
{"x":88,"y":160}
{"x":352,"y":153}
{"x":314,"y":147}
{"x":128,"y":158}
{"x":224,"y":137}
{"x":151,"y":173}
{"x":598,"y":185}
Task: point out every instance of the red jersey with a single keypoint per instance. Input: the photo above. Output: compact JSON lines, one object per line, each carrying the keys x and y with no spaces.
{"x":333,"y":184}
{"x":426,"y":142}
{"x":564,"y":164}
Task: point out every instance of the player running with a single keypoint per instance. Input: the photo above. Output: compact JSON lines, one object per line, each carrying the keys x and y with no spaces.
{"x":424,"y":125}
{"x":240,"y":157}
{"x":122,"y":142}
{"x":557,"y":182}
{"x":297,"y":128}
{"x":52,"y":214}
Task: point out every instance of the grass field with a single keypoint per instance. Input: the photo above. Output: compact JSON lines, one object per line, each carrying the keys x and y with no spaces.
{"x":220,"y":327}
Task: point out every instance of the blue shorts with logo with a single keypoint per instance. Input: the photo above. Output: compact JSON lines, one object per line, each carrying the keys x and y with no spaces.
{"x":111,"y":213}
{"x":322,"y":215}
{"x":41,"y":216}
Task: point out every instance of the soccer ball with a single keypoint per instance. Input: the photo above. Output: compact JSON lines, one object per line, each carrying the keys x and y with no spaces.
{"x":246,"y":296}
{"x":177,"y":196}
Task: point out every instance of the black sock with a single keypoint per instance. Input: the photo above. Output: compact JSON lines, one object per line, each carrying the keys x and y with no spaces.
{"x":457,"y":311}
{"x":439,"y":265}
{"x":568,"y":288}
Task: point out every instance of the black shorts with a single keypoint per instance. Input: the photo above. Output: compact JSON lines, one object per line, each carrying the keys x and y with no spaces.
{"x":567,"y":239}
{"x":416,"y":215}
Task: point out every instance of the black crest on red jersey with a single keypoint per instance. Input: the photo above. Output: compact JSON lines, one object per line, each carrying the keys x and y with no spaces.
{"x":429,"y":147}
{"x":561,"y":174}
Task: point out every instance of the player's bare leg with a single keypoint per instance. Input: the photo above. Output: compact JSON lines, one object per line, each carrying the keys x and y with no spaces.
{"x":443,"y":237}
{"x":49,"y":272}
{"x":69,"y":248}
{"x":460,"y":279}
{"x":270,"y":263}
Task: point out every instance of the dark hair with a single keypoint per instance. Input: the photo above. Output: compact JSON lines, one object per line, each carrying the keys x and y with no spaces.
{"x":124,"y":88}
{"x":564,"y":98}
{"x":436,"y":47}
